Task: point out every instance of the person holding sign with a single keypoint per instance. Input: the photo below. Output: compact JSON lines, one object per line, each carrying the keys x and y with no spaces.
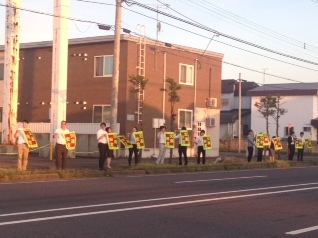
{"x":23,"y":149}
{"x":300,"y":151}
{"x":162,"y":147}
{"x":272,"y":150}
{"x":291,"y":145}
{"x":101,"y":139}
{"x":183,"y":143}
{"x":133,"y":149}
{"x":201,"y":150}
{"x":61,"y":151}
{"x":110,"y":153}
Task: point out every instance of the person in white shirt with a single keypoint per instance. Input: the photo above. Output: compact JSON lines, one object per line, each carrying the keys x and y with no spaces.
{"x":134,"y":149}
{"x":162,"y":147}
{"x":199,"y":141}
{"x":23,"y":149}
{"x":61,"y":151}
{"x":102,"y":145}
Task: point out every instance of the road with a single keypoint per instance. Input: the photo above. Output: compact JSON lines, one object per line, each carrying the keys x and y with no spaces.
{"x":252,"y":203}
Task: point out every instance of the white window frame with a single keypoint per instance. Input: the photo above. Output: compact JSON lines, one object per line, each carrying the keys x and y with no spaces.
{"x":189,"y":74}
{"x":188,"y":120}
{"x":105,"y":72}
{"x":103,"y":108}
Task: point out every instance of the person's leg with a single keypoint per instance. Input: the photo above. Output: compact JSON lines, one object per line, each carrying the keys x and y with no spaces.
{"x":25,"y":157}
{"x":199,"y":151}
{"x":101,"y":156}
{"x":20,"y":154}
{"x":184,"y":151}
{"x":180,"y":154}
{"x":58,"y":156}
{"x":136,"y":154}
{"x":64,"y":156}
{"x":203,"y":155}
{"x":131,"y":151}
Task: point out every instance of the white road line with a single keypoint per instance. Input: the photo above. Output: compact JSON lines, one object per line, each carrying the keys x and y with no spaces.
{"x":207,"y":180}
{"x":154,"y":199}
{"x":150,"y":206}
{"x":313,"y":228}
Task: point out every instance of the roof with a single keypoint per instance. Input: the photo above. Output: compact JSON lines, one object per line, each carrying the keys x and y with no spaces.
{"x":110,"y":38}
{"x":232,"y":85}
{"x":288,"y":89}
{"x":232,"y":116}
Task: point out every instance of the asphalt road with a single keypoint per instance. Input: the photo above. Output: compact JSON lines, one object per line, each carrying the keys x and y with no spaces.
{"x":255,"y":203}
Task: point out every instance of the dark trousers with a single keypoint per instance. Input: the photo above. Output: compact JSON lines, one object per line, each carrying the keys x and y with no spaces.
{"x":132,"y":151}
{"x":250,"y":151}
{"x":300,"y":154}
{"x":260,"y":154}
{"x":291,"y":152}
{"x":201,"y":151}
{"x":102,"y":154}
{"x":60,"y":156}
{"x":182,"y":150}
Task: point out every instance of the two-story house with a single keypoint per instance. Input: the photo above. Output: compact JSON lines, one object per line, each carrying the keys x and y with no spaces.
{"x":90,"y":65}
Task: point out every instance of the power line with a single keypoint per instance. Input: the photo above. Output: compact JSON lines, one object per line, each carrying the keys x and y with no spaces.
{"x":198,"y":25}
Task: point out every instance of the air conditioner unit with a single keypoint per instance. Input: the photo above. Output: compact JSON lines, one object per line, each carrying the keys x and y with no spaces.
{"x":209,"y":122}
{"x":211,"y":102}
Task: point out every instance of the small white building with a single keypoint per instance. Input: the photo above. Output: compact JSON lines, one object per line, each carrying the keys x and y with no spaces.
{"x":301,"y":102}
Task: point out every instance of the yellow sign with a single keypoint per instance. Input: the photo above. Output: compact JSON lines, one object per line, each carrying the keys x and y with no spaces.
{"x":124,"y":140}
{"x":308,"y":143}
{"x":169,"y":140}
{"x":299,"y":144}
{"x":70,"y":139}
{"x":140,"y":141}
{"x":260,"y":141}
{"x":30,"y":139}
{"x":185,"y":138}
{"x":207,"y":143}
{"x":277,"y":143}
{"x":113,"y":143}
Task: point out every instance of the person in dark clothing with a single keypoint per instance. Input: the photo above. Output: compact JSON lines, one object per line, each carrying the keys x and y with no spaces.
{"x":182,"y":150}
{"x":291,"y":145}
{"x":250,"y":145}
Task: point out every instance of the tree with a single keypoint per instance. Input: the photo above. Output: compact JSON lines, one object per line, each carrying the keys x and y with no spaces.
{"x":173,"y":98}
{"x":139,"y":83}
{"x":279,"y":111}
{"x":266,"y":107}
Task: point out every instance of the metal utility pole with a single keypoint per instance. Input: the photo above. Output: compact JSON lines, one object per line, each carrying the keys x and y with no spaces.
{"x":11,"y":71}
{"x":114,"y":96}
{"x":240,"y":114}
{"x":59,"y":65}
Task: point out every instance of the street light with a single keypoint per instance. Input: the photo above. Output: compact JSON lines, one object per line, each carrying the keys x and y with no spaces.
{"x":104,"y":27}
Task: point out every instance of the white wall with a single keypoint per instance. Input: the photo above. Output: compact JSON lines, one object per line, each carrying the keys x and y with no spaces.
{"x":301,"y":110}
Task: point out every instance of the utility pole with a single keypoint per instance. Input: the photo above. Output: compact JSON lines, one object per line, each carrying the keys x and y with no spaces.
{"x":115,"y":82}
{"x":264,"y":75}
{"x":11,"y":71}
{"x":59,"y":66}
{"x":240,"y":114}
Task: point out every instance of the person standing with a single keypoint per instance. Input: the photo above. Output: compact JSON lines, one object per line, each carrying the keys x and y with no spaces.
{"x":162,"y":147}
{"x":182,"y":150}
{"x":134,"y":149}
{"x":61,"y":151}
{"x":291,"y":145}
{"x":260,"y":148}
{"x":102,"y":148}
{"x":110,"y":153}
{"x":250,"y":145}
{"x":23,"y":149}
{"x":201,"y":150}
{"x":300,"y":152}
{"x":272,"y":150}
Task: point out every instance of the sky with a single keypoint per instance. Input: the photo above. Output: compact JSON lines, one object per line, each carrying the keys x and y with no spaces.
{"x":266,"y":41}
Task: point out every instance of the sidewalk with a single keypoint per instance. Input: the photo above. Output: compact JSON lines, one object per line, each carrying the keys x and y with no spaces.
{"x":35,"y":162}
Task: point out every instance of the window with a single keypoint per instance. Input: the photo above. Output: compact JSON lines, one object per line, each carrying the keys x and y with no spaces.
{"x":225,"y":102}
{"x":104,"y":66}
{"x":1,"y":71}
{"x":185,"y":119}
{"x":101,"y":113}
{"x":307,"y":129}
{"x":186,"y":74}
{"x":287,"y":130}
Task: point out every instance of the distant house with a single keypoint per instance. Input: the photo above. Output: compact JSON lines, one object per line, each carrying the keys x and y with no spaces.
{"x":229,"y":126}
{"x":301,"y":101}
